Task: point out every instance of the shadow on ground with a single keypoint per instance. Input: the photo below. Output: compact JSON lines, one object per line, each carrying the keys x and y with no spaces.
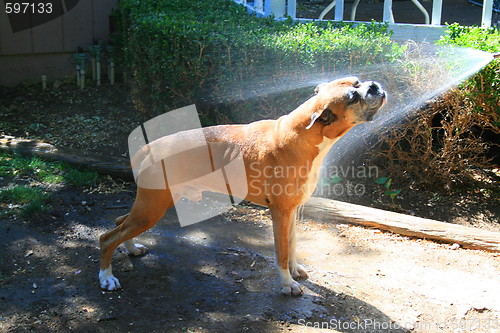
{"x":218,"y":275}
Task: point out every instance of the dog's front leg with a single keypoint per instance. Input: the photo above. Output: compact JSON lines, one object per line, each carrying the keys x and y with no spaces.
{"x":282,"y":225}
{"x":296,"y":270}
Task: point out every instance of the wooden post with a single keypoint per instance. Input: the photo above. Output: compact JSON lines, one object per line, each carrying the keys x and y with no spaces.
{"x":487,"y":12}
{"x":388,"y":17}
{"x":275,"y":7}
{"x":259,"y":6}
{"x":339,"y":10}
{"x":437,"y":10}
{"x":291,"y":9}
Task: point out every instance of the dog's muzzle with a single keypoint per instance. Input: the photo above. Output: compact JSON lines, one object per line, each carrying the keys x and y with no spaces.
{"x":374,"y":96}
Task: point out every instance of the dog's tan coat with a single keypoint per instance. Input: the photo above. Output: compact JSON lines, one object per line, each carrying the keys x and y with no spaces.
{"x":292,"y":141}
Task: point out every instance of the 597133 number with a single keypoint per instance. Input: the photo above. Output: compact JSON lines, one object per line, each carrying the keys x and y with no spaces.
{"x":27,"y":8}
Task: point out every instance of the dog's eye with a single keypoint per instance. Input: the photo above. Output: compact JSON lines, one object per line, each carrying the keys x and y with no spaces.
{"x":356,"y":84}
{"x":327,"y":117}
{"x":353,"y":97}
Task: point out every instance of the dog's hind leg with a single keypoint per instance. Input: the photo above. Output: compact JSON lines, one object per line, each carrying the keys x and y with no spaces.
{"x":148,"y":208}
{"x":120,"y":219}
{"x":282,"y":224}
{"x":296,"y":270}
{"x":132,"y":248}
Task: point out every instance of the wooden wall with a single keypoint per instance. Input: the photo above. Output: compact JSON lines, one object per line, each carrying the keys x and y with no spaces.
{"x":46,"y":49}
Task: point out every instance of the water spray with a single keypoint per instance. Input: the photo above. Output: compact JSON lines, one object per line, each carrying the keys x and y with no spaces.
{"x":422,"y":73}
{"x":439,"y":69}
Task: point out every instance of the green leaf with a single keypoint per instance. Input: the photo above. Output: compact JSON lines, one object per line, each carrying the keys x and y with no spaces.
{"x":392,"y":194}
{"x":335,"y":179}
{"x":381,"y":180}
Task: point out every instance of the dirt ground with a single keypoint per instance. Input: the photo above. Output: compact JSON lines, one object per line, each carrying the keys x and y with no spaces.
{"x":219,"y":275}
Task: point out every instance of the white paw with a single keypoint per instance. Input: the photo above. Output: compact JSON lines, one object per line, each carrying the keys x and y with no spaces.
{"x":135,"y":249}
{"x":298,"y":272}
{"x":293,"y":288}
{"x":107,"y":280}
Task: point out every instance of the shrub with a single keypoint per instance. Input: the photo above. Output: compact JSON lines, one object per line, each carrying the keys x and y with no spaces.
{"x":452,"y":139}
{"x":212,"y":52}
{"x":481,"y":92}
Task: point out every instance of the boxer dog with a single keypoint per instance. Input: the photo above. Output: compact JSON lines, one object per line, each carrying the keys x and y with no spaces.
{"x":296,"y":141}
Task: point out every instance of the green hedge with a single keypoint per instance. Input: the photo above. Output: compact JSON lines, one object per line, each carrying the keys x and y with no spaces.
{"x":210,"y":52}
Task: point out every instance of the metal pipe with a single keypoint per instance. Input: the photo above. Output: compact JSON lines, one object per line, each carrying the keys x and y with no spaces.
{"x":111,"y":64}
{"x":98,"y":75}
{"x":354,"y":9}
{"x":92,"y":63}
{"x":112,"y":72}
{"x":82,"y":78}
{"x":422,"y":9}
{"x":80,"y":59}
{"x":98,"y":51}
{"x":77,"y":75}
{"x":326,"y":10}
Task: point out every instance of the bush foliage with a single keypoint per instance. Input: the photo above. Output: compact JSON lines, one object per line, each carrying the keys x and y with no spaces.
{"x":481,"y":92}
{"x":455,"y":138}
{"x":181,"y":52}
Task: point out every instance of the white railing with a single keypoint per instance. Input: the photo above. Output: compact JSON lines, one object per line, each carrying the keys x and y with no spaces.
{"x":281,"y":8}
{"x":278,"y":8}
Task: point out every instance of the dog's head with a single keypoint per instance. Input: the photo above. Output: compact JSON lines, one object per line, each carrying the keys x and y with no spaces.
{"x":343,"y":103}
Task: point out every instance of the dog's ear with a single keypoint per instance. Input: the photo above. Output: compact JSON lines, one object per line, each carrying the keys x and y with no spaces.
{"x":314,"y":117}
{"x":326,"y":117}
{"x":318,"y":88}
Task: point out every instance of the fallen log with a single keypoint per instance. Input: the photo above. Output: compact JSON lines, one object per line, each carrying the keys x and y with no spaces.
{"x":319,"y":208}
{"x":341,"y":212}
{"x":114,"y":166}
